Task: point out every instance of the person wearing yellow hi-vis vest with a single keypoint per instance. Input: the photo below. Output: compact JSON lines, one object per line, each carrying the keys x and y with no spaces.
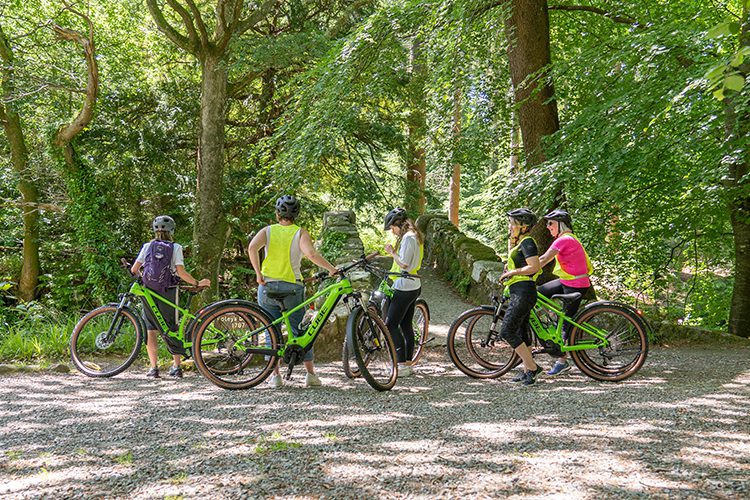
{"x":522,"y":268}
{"x":407,"y":257}
{"x":573,"y":268}
{"x":285,"y":243}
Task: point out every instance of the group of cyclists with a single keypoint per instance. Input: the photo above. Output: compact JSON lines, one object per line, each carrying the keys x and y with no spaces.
{"x":285,"y":243}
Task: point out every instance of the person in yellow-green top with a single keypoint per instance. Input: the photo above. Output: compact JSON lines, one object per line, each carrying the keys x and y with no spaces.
{"x":285,"y":243}
{"x":520,"y":275}
{"x":407,"y":257}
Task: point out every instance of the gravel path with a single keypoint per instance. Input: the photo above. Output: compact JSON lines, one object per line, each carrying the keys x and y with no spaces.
{"x":679,"y":428}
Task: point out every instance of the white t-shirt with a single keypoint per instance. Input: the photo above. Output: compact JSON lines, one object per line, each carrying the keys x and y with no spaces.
{"x":409,"y":254}
{"x":177,"y":259}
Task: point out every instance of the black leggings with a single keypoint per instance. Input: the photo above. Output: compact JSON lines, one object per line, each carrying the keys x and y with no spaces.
{"x":554,"y":287}
{"x":399,"y":322}
{"x":516,"y":319}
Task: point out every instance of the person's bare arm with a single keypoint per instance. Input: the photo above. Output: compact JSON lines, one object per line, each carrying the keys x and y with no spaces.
{"x":135,"y":268}
{"x":531,"y":268}
{"x":188,"y":278}
{"x":258,"y":242}
{"x":308,"y":249}
{"x":550,"y":254}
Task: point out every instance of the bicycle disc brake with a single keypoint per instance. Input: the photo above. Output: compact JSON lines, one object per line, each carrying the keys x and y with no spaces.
{"x":104,"y":341}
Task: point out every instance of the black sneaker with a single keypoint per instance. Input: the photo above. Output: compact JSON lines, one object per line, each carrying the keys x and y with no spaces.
{"x":175,"y":372}
{"x":153,"y":373}
{"x":530,"y":376}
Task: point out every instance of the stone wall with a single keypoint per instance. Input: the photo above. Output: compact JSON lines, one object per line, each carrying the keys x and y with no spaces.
{"x":340,"y":243}
{"x":472,"y":267}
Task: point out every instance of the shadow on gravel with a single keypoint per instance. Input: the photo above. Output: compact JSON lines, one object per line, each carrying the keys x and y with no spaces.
{"x":678,"y":428}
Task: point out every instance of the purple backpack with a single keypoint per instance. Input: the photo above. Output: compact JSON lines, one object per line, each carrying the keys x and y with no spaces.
{"x":157,"y":272}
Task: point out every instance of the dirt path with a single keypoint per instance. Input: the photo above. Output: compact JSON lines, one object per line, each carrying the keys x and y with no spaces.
{"x":680,"y":428}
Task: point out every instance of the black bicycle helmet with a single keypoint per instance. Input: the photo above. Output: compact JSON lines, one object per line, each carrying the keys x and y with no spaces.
{"x":561,"y":216}
{"x":287,"y":207}
{"x":164,"y":223}
{"x":523,"y":215}
{"x":394,"y":218}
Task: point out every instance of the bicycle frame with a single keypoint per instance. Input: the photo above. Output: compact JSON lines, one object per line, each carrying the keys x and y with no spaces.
{"x":555,"y":334}
{"x":334,"y":293}
{"x":138,"y":290}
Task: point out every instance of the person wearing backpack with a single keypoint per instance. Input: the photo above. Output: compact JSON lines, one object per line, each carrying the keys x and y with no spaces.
{"x":285,"y":243}
{"x":161,"y":266}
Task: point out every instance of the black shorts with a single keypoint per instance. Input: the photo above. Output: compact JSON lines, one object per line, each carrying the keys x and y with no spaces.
{"x":168,"y":312}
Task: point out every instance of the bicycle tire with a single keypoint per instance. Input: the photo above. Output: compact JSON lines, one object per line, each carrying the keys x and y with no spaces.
{"x":628,"y":347}
{"x":373,"y":351}
{"x":96,"y":355}
{"x":214,"y":351}
{"x":349,"y":363}
{"x":421,"y":328}
{"x":482,"y":362}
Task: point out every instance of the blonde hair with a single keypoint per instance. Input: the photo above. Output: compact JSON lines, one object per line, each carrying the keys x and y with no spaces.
{"x":525,"y":229}
{"x":163,"y":236}
{"x":406,"y":226}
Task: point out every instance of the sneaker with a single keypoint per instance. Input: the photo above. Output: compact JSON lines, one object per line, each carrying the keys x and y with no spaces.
{"x":276,"y":381}
{"x":405,"y":371}
{"x":312,"y":380}
{"x":530,"y":376}
{"x":560,"y":367}
{"x":153,"y":373}
{"x":519,"y":377}
{"x":175,"y":372}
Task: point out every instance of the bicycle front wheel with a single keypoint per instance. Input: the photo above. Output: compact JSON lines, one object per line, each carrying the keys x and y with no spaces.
{"x":476,"y":349}
{"x":373,"y":348}
{"x":220,"y":342}
{"x":106,"y":341}
{"x":348,"y":361}
{"x":421,"y":324}
{"x":628,"y":342}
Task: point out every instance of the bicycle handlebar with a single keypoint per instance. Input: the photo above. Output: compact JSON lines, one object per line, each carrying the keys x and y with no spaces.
{"x":194,"y":289}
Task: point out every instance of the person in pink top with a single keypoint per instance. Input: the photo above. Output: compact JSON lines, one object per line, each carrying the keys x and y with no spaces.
{"x":573,"y":268}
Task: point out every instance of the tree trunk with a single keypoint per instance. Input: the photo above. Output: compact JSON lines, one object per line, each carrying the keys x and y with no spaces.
{"x":515,"y":143}
{"x":527,"y":29}
{"x":209,"y":231}
{"x":454,"y":191}
{"x":415,"y":165}
{"x":737,"y":127}
{"x":19,"y":155}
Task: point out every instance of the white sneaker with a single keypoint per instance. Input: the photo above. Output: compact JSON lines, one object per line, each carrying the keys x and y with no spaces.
{"x":312,"y":380}
{"x":405,"y":371}
{"x":276,"y":381}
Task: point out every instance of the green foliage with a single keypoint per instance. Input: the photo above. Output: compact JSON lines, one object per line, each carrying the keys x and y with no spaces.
{"x":333,"y":244}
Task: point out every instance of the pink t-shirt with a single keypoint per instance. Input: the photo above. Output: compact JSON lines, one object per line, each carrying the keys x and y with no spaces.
{"x":572,"y":259}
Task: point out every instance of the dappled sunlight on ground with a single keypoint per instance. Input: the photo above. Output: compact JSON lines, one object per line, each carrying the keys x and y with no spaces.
{"x":438,"y":433}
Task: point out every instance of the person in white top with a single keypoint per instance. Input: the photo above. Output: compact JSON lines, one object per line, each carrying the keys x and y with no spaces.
{"x":164,"y":227}
{"x":407,"y":257}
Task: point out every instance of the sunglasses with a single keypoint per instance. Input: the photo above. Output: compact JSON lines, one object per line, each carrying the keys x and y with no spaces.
{"x":550,"y":223}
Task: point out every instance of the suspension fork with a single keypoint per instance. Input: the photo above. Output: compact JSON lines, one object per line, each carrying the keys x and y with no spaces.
{"x":118,"y":318}
{"x":494,"y":332}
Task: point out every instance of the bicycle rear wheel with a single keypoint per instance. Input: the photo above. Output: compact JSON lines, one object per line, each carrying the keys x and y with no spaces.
{"x":373,"y":349}
{"x":218,"y":355}
{"x":348,"y":361}
{"x":421,"y":323}
{"x":105,"y":342}
{"x":476,"y":349}
{"x":628,"y":342}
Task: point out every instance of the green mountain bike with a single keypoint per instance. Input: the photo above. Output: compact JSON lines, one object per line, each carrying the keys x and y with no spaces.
{"x":379,"y":301}
{"x":243,"y":339}
{"x":608,"y":341}
{"x":108,"y":339}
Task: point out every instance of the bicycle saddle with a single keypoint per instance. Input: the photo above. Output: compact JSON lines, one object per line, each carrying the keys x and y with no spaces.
{"x":567,"y":297}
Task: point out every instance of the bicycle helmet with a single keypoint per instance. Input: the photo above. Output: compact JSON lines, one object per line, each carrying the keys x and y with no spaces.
{"x":164,"y":223}
{"x":287,"y":207}
{"x":561,"y":216}
{"x":395,"y":217}
{"x":523,"y":215}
